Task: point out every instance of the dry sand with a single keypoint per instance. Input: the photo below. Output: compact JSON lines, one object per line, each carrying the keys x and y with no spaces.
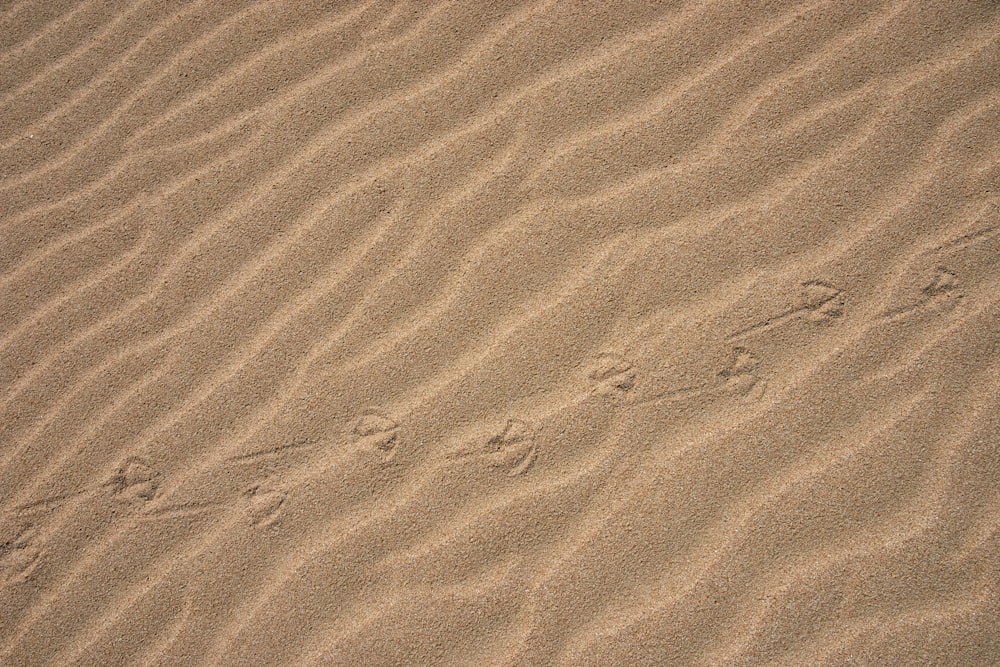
{"x":499,"y":333}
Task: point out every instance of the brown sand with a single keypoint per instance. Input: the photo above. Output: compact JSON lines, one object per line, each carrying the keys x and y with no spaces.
{"x":498,"y":333}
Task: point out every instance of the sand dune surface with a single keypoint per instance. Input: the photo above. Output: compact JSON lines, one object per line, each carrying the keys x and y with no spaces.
{"x":499,"y":333}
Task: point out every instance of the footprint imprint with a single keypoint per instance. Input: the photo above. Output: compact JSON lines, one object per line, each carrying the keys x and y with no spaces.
{"x":19,"y":564}
{"x":136,"y":478}
{"x":821,"y":301}
{"x":818,"y":302}
{"x":18,"y":556}
{"x":265,"y":506}
{"x":944,"y":281}
{"x":740,"y":374}
{"x":941,"y":285}
{"x":513,"y":448}
{"x":612,"y":374}
{"x":380,"y":431}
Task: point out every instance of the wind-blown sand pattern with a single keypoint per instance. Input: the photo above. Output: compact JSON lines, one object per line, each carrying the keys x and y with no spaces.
{"x":468,"y":333}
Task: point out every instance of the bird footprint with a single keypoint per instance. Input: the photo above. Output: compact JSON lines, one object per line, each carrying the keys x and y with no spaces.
{"x":381,"y":432}
{"x":265,"y":506}
{"x":821,"y":301}
{"x":611,"y":374}
{"x":136,"y":478}
{"x":513,"y":448}
{"x":741,"y":373}
{"x":18,"y":556}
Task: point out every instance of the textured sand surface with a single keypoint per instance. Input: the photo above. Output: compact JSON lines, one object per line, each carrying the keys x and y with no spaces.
{"x":499,"y":333}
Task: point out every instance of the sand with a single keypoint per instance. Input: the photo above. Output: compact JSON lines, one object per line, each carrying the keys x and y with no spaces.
{"x":499,"y":333}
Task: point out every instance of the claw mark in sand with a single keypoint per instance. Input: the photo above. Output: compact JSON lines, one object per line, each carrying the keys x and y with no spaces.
{"x":819,"y":302}
{"x":513,"y":448}
{"x":611,"y":374}
{"x":380,"y":431}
